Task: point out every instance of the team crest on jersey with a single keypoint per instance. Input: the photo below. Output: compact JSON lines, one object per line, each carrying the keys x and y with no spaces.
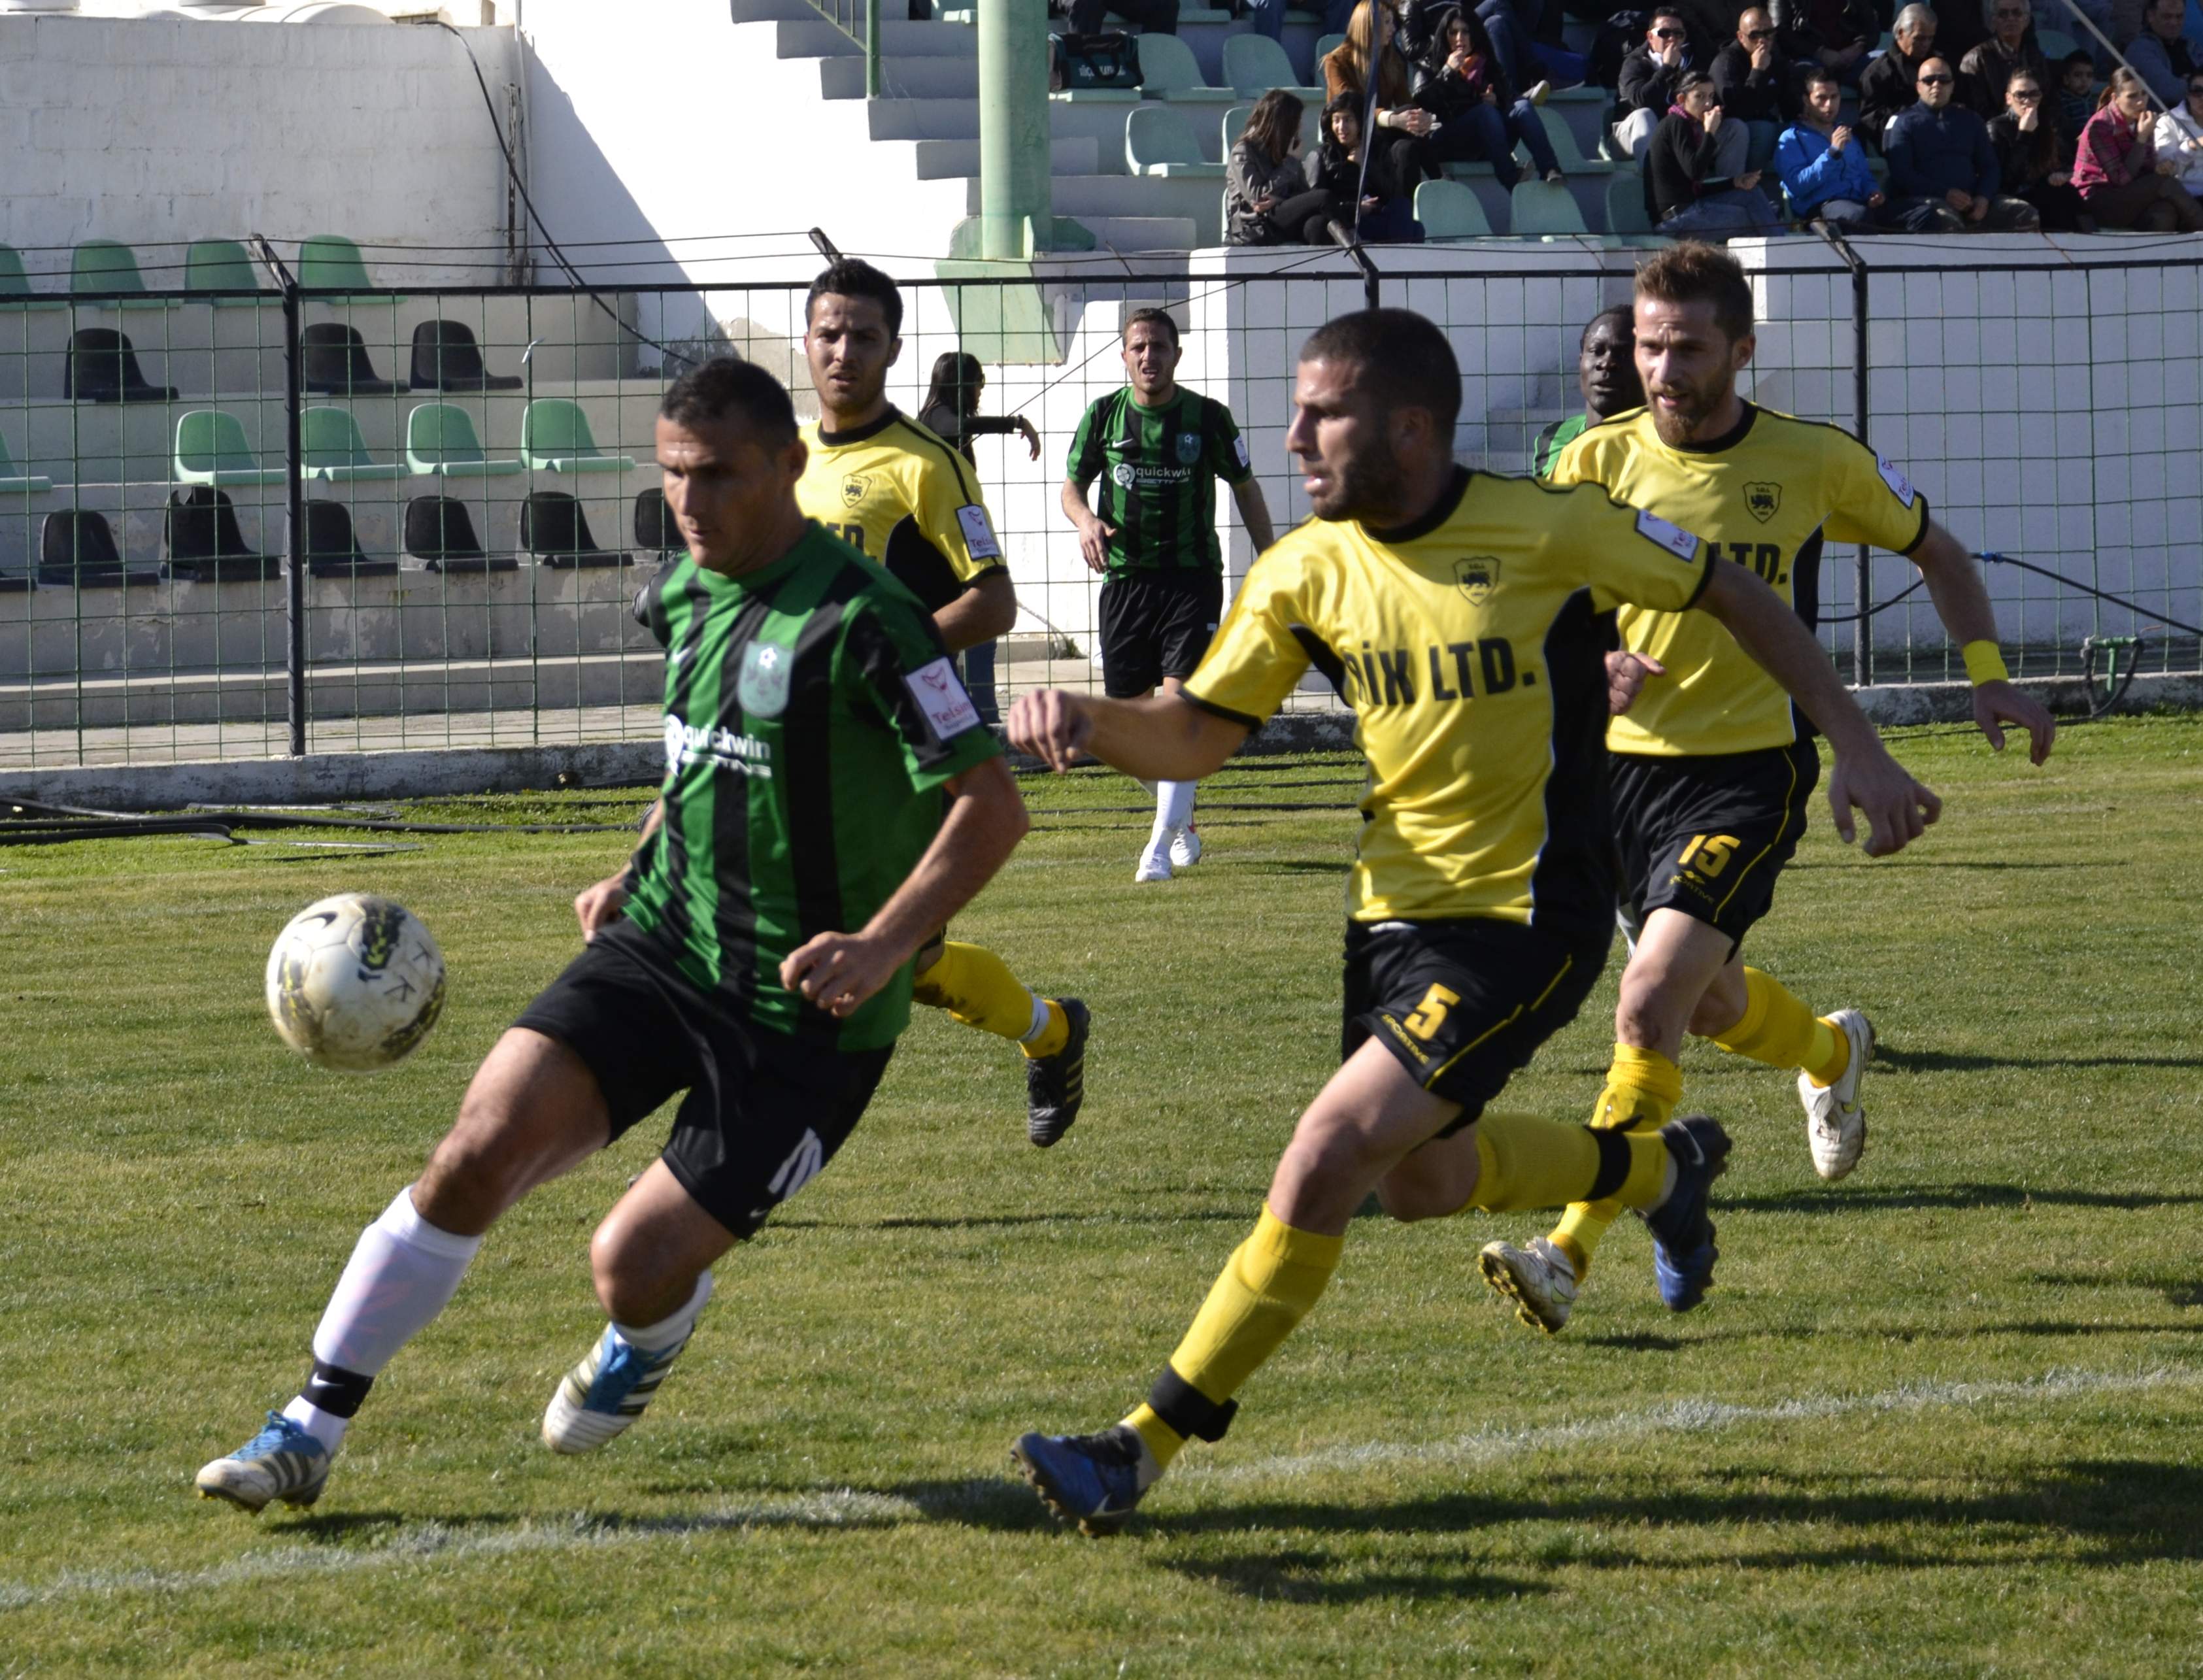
{"x":853,"y":490}
{"x":1478,"y":575}
{"x":762,"y":688}
{"x":1189,"y":448}
{"x":1760,"y":500}
{"x":1124,"y":473}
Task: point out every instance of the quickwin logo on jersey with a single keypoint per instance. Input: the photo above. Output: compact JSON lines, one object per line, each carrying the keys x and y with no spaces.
{"x":721,"y":748}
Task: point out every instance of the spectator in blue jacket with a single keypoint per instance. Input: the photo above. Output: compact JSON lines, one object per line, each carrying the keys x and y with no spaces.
{"x":1940,"y":158}
{"x":1824,"y":172}
{"x":2162,"y":54}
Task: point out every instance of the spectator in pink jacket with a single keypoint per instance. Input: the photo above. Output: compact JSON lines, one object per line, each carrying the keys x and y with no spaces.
{"x":2117,"y":172}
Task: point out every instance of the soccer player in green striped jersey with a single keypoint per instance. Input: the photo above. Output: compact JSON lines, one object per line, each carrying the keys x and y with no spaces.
{"x":831,"y":798}
{"x":1606,"y":374}
{"x":1158,"y":450}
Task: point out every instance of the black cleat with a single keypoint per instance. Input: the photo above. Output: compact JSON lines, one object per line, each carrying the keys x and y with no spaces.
{"x":1055,"y":1084}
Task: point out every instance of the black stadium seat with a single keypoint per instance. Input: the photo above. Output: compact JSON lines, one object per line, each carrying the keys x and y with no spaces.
{"x":446,"y":357}
{"x":102,"y":368}
{"x":656,"y":531}
{"x":553,"y":528}
{"x":333,"y":360}
{"x":77,"y":548}
{"x":200,"y":537}
{"x":439,"y":530}
{"x":333,"y":548}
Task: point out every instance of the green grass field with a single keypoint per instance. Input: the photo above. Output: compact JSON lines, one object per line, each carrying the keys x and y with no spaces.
{"x":1938,"y":1419}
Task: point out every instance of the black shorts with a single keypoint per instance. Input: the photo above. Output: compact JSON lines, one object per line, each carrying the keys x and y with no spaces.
{"x":765,"y":1112}
{"x":1156,"y":624}
{"x":1707,"y":836}
{"x":1463,"y":1004}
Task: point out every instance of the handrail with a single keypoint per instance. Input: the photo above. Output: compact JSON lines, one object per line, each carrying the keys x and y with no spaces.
{"x":858,"y":20}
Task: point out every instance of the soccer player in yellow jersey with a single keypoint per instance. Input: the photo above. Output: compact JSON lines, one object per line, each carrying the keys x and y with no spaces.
{"x":1462,"y":614}
{"x":1713,"y":767}
{"x":886,"y":485}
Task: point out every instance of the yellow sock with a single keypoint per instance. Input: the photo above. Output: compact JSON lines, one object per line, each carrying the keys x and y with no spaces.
{"x":1525,"y":1161}
{"x":977,"y":988}
{"x":1642,"y":1089}
{"x":1266,"y":1288}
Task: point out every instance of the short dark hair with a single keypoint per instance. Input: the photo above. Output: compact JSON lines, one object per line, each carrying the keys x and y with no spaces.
{"x":848,"y":277}
{"x":1404,"y":358}
{"x":1622,"y":312}
{"x":727,"y":384}
{"x":1815,"y":75}
{"x":1159,"y":317}
{"x":1659,"y":12}
{"x":2077,"y":56}
{"x":1688,"y":272}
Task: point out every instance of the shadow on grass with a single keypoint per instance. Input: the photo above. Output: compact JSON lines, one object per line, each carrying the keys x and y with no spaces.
{"x":1652,"y":1341}
{"x":2177,"y":1292}
{"x":1817,"y":1200}
{"x":981,"y":1221}
{"x":1316,"y":1577}
{"x":1959,"y":1061}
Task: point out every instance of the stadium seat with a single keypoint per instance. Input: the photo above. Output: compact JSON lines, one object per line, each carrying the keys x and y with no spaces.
{"x":1537,"y":209}
{"x":1159,"y":141}
{"x":1254,"y":64}
{"x":104,"y":265}
{"x":441,"y":439}
{"x":1572,"y":161}
{"x":2056,"y":45}
{"x":201,"y":543}
{"x":1626,"y":214}
{"x":555,"y":437}
{"x":14,"y":483}
{"x":333,"y":362}
{"x":211,"y":449}
{"x":1235,"y":125}
{"x":656,"y":531}
{"x":221,"y":265}
{"x":446,"y":357}
{"x":102,"y":367}
{"x":441,"y":533}
{"x":77,"y":550}
{"x":15,"y":292}
{"x":330,"y":262}
{"x":1325,"y":46}
{"x":1168,"y":70}
{"x":1449,"y":211}
{"x":553,"y":528}
{"x":332,"y":548}
{"x":332,"y":450}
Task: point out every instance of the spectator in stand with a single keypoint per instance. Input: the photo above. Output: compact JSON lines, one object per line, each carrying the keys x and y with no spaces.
{"x":2180,"y":137}
{"x":1835,"y":35}
{"x":1384,"y":213}
{"x":1479,"y":118}
{"x":1940,"y":157}
{"x":1651,"y":75}
{"x":1685,"y":191}
{"x":1396,"y":149}
{"x":2030,"y":153}
{"x":2121,"y":180}
{"x":2076,"y":98}
{"x":1156,"y":17}
{"x":1266,"y":197}
{"x":1891,"y":83}
{"x":2162,"y":54}
{"x":1824,"y":172}
{"x":1962,"y":26}
{"x":1984,"y":73}
{"x":1751,"y":81}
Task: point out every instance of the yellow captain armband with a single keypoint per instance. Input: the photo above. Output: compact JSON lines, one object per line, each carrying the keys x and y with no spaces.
{"x":1984,"y":663}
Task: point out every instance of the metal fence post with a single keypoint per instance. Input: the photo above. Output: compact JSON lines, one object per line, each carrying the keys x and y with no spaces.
{"x":1863,"y":573}
{"x":294,"y":560}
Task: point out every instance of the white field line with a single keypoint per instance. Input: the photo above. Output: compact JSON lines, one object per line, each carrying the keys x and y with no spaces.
{"x":833,"y":1508}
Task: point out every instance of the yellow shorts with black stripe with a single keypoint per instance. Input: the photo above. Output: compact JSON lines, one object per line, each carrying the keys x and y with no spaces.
{"x":1708,"y":835}
{"x":1463,"y":1004}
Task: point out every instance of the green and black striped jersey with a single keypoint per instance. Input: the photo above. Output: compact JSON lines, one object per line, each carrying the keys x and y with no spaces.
{"x":810,"y":717}
{"x":1158,"y":468}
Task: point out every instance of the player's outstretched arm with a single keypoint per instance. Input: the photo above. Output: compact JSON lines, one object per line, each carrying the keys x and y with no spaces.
{"x":1897,"y":808}
{"x":985,"y":819}
{"x":1962,"y":602}
{"x":1164,"y":737}
{"x":596,"y":905}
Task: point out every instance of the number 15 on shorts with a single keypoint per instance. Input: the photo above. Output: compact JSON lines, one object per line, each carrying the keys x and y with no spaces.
{"x":1710,"y":853}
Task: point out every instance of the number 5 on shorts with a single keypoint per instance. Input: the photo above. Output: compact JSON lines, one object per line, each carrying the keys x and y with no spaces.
{"x":1712,"y":850}
{"x":1430,"y":1015}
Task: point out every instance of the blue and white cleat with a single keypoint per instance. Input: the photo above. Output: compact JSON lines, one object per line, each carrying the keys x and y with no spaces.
{"x":607,"y":1391}
{"x":1093,"y":1481}
{"x":1683,"y":1252}
{"x":282,"y":1462}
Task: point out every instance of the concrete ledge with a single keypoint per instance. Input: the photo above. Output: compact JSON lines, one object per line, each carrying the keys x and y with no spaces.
{"x":1899,"y":704}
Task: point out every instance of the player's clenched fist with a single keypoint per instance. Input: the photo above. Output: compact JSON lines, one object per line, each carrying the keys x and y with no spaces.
{"x":1052,"y":725}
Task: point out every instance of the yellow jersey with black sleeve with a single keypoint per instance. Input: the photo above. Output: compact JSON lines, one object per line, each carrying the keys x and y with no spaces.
{"x":1472,"y":646}
{"x":896,"y":492}
{"x":1767,"y":496}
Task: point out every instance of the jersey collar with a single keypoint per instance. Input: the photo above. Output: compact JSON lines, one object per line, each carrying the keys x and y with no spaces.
{"x":1440,"y":512}
{"x":862,"y":434}
{"x":1728,"y":440}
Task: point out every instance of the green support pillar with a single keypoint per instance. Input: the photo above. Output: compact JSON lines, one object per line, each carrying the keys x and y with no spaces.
{"x":1017,"y":218}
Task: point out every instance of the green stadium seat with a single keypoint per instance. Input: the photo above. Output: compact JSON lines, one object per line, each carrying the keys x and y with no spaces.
{"x":1449,"y":210}
{"x":14,"y":483}
{"x":1254,"y":64}
{"x":2056,"y":45}
{"x":1572,"y":161}
{"x":555,"y":437}
{"x":331,"y":448}
{"x":441,"y":439}
{"x":330,"y":262}
{"x":1159,"y":141}
{"x":1550,"y":212}
{"x":104,"y":265}
{"x":220,"y":265}
{"x":1325,"y":45}
{"x":211,"y":449}
{"x":15,"y":292}
{"x":1626,"y":214}
{"x":1235,"y":125}
{"x":1168,"y":70}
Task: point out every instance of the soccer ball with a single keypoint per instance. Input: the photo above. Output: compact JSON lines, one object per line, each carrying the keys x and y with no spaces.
{"x":355,"y":982}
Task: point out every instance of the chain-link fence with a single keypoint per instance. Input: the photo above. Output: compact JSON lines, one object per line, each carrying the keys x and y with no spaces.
{"x":465,"y":475}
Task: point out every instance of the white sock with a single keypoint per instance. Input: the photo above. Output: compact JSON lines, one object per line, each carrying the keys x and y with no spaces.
{"x":325,"y":1427}
{"x":1150,"y":787}
{"x":402,"y":1273}
{"x":670,"y":1331}
{"x":1174,"y":806}
{"x":1040,"y":1020}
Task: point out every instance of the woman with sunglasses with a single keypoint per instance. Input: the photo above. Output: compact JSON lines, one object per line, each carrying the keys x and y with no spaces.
{"x":2030,"y":155}
{"x":2180,"y":137}
{"x":2121,"y":179}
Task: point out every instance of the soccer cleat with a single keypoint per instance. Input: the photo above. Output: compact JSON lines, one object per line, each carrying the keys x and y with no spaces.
{"x":1538,"y":1279}
{"x":1154,"y":861}
{"x":1055,"y":1085}
{"x":1185,"y":848}
{"x":282,"y":1462}
{"x":1683,"y":1252}
{"x":1093,"y":1481}
{"x":606,"y":1392}
{"x":1835,"y":1120}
